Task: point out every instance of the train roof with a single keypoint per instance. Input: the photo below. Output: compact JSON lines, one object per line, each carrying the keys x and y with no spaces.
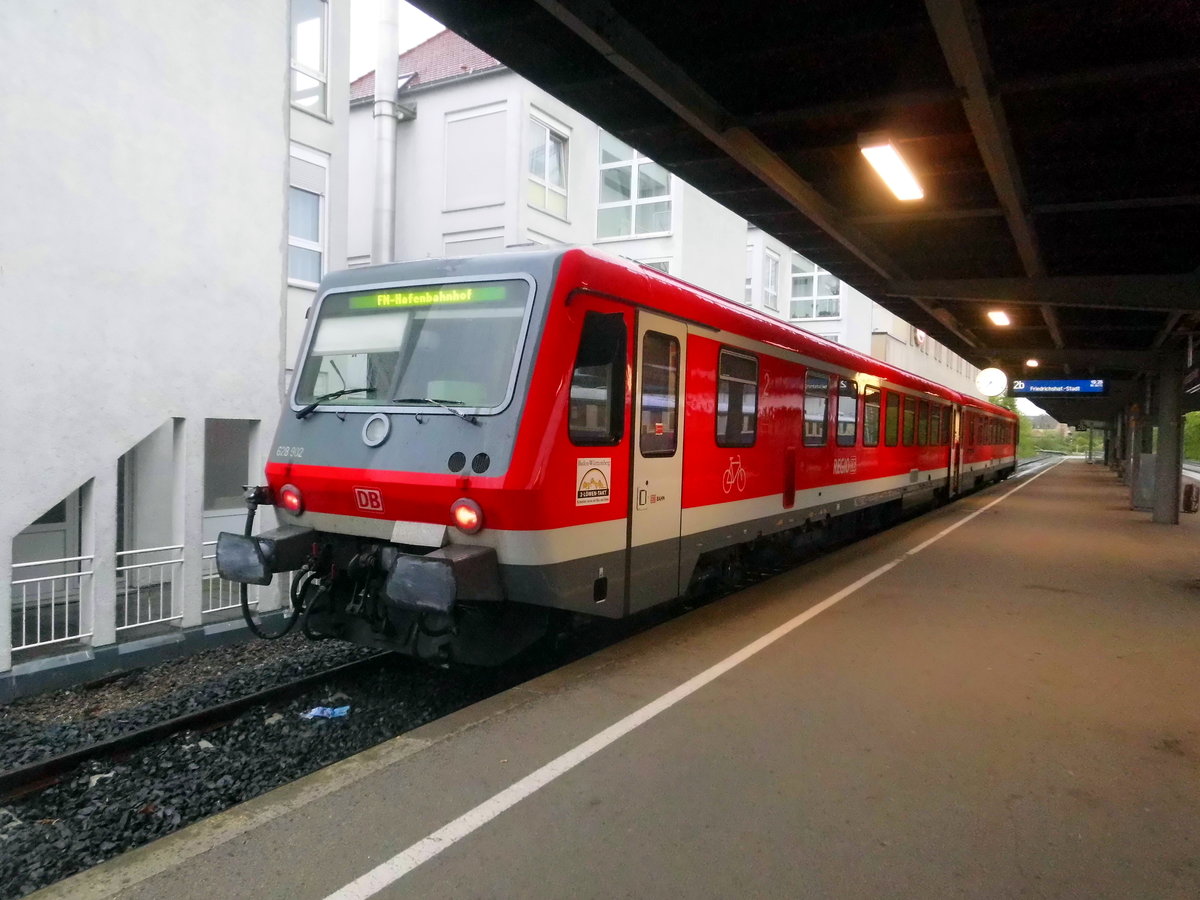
{"x":673,"y":296}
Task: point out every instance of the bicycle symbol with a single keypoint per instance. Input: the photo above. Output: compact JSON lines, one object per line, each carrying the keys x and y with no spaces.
{"x":734,"y":475}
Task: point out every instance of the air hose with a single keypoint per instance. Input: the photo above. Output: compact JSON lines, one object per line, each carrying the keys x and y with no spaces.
{"x":252,"y":500}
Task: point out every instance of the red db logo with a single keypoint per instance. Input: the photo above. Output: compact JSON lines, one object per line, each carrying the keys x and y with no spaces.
{"x":369,"y":499}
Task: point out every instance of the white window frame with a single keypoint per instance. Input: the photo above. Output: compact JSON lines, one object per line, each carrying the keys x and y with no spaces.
{"x":563,"y":134}
{"x":811,"y":279}
{"x":322,"y":76}
{"x":321,"y":160}
{"x":771,"y":280}
{"x":639,"y":159}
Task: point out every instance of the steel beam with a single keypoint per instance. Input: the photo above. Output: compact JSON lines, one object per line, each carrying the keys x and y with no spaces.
{"x":1168,"y":293}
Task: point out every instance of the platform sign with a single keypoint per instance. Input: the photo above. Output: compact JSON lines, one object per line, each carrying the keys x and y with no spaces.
{"x":1024,"y":387}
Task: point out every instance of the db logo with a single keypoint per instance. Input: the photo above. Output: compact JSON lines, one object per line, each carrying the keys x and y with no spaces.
{"x":369,"y":499}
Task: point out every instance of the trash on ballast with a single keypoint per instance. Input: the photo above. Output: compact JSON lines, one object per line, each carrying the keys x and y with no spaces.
{"x":97,"y":778}
{"x":273,"y":718}
{"x":205,"y":745}
{"x":326,"y":712}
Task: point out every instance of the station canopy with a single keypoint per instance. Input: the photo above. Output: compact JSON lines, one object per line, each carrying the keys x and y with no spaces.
{"x":1056,"y":143}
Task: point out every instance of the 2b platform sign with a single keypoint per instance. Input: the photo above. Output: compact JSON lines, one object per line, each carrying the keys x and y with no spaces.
{"x":1023,"y":387}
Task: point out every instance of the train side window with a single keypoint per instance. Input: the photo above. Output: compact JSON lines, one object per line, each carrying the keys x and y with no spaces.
{"x":891,"y":427}
{"x":737,"y":399}
{"x":910,"y":420}
{"x":923,"y":423}
{"x":847,"y":413}
{"x":870,"y":417}
{"x":935,"y":423}
{"x":597,"y":405}
{"x":816,"y":409}
{"x":659,"y":429}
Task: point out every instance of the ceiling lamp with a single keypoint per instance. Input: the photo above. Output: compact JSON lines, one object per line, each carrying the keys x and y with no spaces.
{"x":1032,"y":363}
{"x":999,"y":317}
{"x":883,"y":156}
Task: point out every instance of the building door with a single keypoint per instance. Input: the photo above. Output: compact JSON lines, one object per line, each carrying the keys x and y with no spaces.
{"x":657,"y":470}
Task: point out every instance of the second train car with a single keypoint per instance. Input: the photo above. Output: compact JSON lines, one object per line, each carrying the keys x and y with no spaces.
{"x":473,"y":444}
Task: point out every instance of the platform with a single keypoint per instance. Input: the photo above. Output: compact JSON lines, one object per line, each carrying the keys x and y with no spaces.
{"x":998,"y":699}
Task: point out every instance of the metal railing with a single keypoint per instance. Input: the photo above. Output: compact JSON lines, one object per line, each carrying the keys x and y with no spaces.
{"x":51,"y":608}
{"x":148,"y":582}
{"x":216,"y":593}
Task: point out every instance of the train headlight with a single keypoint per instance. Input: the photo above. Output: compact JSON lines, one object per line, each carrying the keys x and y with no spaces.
{"x":467,"y":515}
{"x":291,"y":499}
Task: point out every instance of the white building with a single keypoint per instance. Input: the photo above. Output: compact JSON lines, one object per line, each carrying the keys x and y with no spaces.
{"x":488,"y":161}
{"x":169,"y":203}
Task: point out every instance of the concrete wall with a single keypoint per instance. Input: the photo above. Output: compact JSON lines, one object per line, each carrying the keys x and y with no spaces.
{"x":143,"y":255}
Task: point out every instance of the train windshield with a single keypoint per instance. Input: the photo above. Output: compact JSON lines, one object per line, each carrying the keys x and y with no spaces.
{"x":445,"y":344}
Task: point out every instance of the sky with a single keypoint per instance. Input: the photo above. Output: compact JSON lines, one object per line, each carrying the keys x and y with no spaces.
{"x":415,"y":27}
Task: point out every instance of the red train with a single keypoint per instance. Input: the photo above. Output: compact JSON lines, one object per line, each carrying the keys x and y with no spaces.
{"x":475,"y":443}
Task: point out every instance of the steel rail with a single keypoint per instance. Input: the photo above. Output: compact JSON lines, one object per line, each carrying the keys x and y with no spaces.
{"x":36,"y":776}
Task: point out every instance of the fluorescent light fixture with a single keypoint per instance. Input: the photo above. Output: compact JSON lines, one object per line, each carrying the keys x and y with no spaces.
{"x":999,"y":317}
{"x":883,"y":156}
{"x":1032,"y":363}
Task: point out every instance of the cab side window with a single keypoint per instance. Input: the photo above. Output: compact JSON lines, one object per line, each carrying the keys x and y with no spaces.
{"x":597,"y":406}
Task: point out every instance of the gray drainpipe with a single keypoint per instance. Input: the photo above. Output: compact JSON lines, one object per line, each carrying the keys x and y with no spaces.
{"x":383,"y":223}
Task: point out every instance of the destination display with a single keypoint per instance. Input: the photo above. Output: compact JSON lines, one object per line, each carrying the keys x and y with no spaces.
{"x":431,"y":296}
{"x":1027,"y":387}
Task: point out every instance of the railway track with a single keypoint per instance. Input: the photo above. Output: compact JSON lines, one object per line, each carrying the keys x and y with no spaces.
{"x":36,"y":776}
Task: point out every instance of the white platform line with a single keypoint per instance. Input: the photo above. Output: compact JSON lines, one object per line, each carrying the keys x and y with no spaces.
{"x":402,"y":863}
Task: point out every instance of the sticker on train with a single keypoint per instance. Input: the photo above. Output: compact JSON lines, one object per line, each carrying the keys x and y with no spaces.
{"x":592,"y":479}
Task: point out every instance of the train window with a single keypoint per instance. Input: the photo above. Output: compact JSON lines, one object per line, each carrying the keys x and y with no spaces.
{"x":870,"y":417}
{"x":737,"y":399}
{"x":910,"y":420}
{"x":816,"y":409}
{"x":847,"y":413}
{"x":597,"y":407}
{"x":935,"y":424}
{"x":923,"y":423}
{"x":891,"y":425}
{"x":947,"y":424}
{"x":659,"y":428}
{"x":421,"y":345}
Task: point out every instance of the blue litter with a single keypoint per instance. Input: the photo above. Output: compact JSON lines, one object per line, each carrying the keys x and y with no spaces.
{"x":326,"y":712}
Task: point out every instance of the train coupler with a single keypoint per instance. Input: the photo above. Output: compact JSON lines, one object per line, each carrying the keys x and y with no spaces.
{"x":436,"y":581}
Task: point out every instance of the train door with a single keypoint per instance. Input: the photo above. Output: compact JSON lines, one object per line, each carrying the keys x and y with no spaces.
{"x":956,"y":452}
{"x":657,"y":470}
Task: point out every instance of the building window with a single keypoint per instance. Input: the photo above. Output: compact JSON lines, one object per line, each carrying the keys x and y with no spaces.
{"x":663,"y":265}
{"x":306,"y":216}
{"x":771,"y":280}
{"x":749,"y":274}
{"x":815,"y":293}
{"x":547,"y":169}
{"x":309,"y":38}
{"x":635,"y":193}
{"x":597,"y":408}
{"x":737,"y":399}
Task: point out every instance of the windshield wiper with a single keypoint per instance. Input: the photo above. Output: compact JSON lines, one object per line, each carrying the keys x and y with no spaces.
{"x":305,"y":410}
{"x":444,"y":404}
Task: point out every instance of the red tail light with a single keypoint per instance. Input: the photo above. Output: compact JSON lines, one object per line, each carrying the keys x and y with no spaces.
{"x":291,"y":499}
{"x":467,"y":515}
